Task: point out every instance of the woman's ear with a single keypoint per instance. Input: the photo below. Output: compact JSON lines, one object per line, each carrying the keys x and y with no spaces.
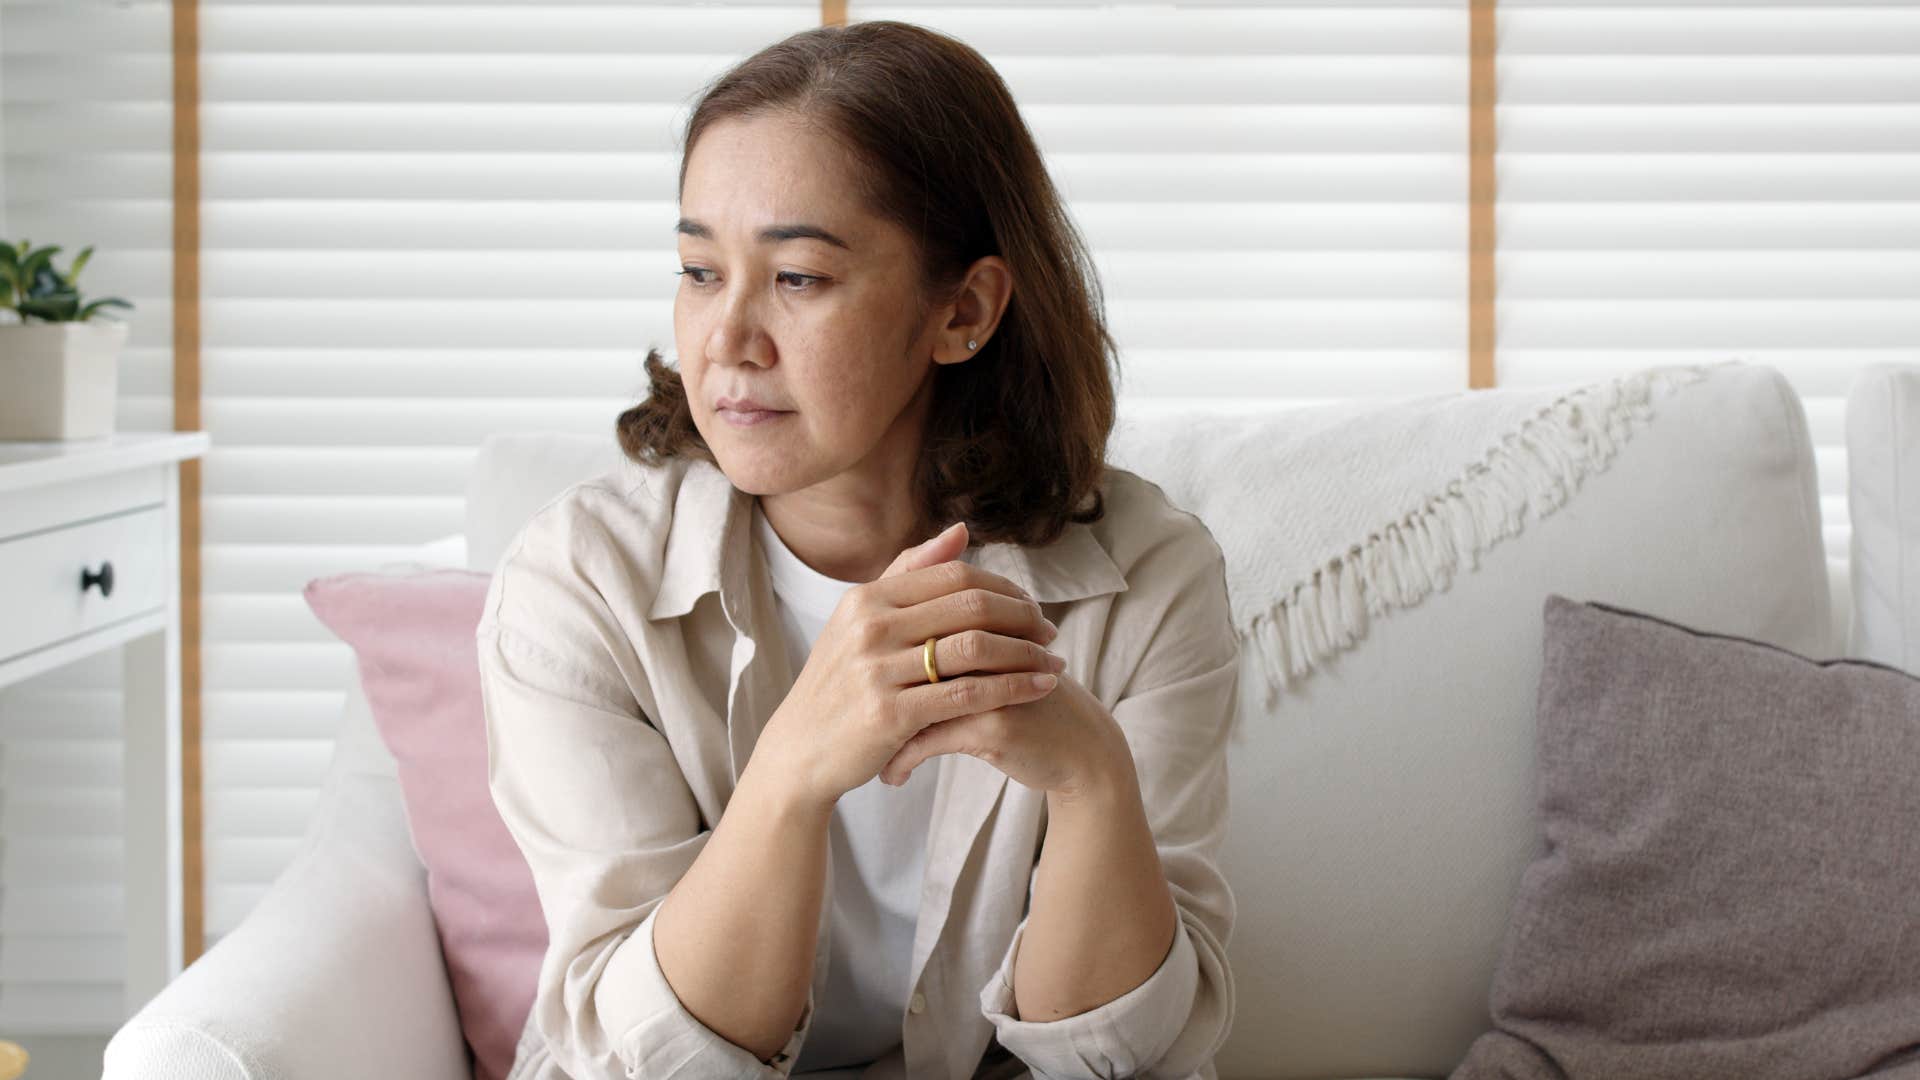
{"x":977,"y":308}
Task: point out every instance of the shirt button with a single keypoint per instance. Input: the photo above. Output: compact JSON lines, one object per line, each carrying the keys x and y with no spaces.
{"x":918,"y":1004}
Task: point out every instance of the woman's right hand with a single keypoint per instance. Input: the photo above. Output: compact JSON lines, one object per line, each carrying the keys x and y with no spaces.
{"x":864,"y":692}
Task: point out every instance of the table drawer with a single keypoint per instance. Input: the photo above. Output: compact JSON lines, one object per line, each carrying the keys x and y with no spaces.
{"x":52,"y":506}
{"x":42,"y":600}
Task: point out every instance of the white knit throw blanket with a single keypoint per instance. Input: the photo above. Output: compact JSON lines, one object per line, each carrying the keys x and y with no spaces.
{"x":1330,"y":516}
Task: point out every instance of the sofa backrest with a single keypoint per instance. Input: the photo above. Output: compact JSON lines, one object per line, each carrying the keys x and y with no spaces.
{"x":515,"y":474}
{"x":1883,"y":504}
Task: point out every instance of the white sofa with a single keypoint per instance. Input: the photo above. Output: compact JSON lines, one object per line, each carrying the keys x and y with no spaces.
{"x":1382,"y":810}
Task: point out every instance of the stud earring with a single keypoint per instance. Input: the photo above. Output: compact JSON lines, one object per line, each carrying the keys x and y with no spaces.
{"x":973,"y":345}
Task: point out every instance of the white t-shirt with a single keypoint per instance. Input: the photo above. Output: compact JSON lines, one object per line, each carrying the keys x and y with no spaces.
{"x":878,"y":836}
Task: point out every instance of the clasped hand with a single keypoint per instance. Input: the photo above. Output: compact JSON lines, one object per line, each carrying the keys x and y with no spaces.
{"x":862,"y":705}
{"x":1061,"y":742}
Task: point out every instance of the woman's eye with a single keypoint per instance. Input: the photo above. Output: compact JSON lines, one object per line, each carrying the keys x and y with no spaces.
{"x":801,"y":282}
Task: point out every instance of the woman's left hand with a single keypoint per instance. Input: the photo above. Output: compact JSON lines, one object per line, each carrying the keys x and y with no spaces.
{"x":1065,"y":742}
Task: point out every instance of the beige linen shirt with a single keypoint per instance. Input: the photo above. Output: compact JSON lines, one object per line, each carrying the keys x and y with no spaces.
{"x":630,"y":655}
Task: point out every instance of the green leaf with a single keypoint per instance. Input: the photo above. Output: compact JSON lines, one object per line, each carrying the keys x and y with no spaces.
{"x":110,"y":301}
{"x":33,"y":264}
{"x":52,"y":308}
{"x":80,"y":260}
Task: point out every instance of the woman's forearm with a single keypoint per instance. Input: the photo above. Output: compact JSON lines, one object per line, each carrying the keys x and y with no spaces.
{"x":735,"y":936}
{"x":1102,"y":917}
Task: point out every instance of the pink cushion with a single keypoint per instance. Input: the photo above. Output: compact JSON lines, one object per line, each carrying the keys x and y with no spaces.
{"x":412,"y":637}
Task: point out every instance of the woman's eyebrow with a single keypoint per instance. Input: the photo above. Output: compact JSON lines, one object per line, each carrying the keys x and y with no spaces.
{"x":772,"y":234}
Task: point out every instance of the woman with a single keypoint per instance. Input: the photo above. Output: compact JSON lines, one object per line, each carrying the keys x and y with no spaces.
{"x":768,"y":734}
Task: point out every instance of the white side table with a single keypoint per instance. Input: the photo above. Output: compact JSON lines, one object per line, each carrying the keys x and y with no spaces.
{"x":90,"y":560}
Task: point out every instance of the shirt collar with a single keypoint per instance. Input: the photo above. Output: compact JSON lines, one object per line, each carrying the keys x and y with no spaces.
{"x":710,"y":543}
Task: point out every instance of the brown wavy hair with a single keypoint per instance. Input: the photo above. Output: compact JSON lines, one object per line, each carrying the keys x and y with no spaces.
{"x":1016,"y":436}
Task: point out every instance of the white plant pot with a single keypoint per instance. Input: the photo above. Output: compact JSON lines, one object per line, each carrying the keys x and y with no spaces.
{"x":59,"y":380}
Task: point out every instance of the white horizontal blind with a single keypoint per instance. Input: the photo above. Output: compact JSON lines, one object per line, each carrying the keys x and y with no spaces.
{"x":86,"y":160}
{"x":1694,"y":181}
{"x":1275,"y":194}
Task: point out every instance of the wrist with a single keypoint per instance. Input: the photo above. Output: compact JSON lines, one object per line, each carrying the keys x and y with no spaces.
{"x":1107,"y":776}
{"x":771,"y":781}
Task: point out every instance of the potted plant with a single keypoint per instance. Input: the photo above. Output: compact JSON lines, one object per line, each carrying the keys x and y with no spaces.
{"x":58,"y":364}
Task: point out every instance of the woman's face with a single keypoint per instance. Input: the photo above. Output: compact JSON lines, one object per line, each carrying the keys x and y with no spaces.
{"x":817,"y":318}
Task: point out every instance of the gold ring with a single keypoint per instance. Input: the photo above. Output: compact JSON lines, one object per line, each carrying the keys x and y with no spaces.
{"x":926,"y":657}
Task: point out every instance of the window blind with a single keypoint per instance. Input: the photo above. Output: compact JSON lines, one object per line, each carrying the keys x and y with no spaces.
{"x":1274,"y":194}
{"x":1692,"y":181}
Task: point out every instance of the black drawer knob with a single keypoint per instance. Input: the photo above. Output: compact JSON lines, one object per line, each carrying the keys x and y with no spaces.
{"x":104,"y":579}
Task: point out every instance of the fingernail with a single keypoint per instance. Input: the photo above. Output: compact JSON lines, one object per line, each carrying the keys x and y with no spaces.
{"x":1044,"y":682}
{"x":1056,"y":661}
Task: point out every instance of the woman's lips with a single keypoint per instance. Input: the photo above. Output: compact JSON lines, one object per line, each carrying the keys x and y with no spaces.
{"x":751,"y":417}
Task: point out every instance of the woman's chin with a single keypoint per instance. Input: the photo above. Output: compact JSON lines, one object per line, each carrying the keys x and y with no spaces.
{"x":760,"y":473}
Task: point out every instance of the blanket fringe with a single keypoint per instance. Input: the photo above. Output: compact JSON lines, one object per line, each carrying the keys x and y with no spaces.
{"x":1536,"y":467}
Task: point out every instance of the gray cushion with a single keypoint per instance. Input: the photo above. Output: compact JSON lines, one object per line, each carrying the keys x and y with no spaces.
{"x":1728,"y":884}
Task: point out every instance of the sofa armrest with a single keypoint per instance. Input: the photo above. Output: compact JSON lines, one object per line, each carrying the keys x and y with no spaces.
{"x":337,"y":971}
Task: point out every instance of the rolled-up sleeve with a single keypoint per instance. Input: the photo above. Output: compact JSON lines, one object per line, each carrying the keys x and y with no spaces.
{"x":1177,"y":715}
{"x":590,"y":790}
{"x":1116,"y":1039}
